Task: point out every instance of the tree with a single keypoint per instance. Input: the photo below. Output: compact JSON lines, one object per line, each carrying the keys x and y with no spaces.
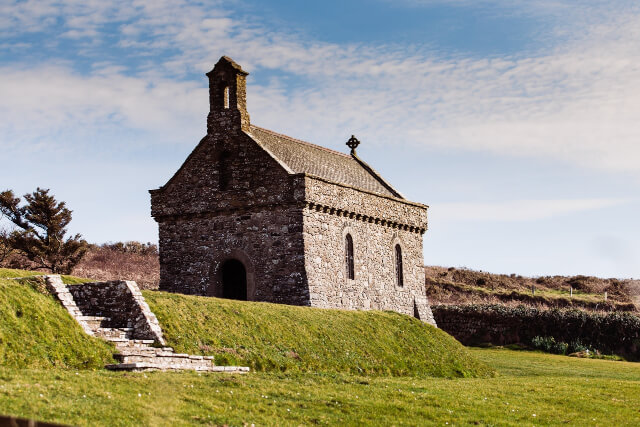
{"x":5,"y":246}
{"x":41,"y":226}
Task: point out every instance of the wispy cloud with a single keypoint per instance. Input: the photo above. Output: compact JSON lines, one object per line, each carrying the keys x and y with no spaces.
{"x":519,"y":210}
{"x":59,"y":108}
{"x":576,"y":102}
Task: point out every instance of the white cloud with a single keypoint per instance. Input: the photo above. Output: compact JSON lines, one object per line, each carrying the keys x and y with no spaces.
{"x":519,"y":210}
{"x":50,"y":104}
{"x":577,"y":103}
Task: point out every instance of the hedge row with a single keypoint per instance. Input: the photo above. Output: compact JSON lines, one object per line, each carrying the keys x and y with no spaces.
{"x":611,"y":333}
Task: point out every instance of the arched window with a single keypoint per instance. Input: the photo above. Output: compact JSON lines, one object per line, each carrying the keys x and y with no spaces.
{"x":399,"y":273}
{"x":225,"y":97}
{"x":348,"y":256}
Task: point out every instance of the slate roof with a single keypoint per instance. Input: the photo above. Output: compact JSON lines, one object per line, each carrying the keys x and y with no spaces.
{"x":303,"y":157}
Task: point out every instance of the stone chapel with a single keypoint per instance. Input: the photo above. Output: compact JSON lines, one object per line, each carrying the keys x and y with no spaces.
{"x":255,"y":215}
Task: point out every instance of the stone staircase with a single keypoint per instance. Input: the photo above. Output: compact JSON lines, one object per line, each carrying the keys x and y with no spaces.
{"x":134,"y":331}
{"x":140,"y":355}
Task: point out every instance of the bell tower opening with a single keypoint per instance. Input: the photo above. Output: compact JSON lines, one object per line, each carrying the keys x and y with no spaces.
{"x":227,"y":96}
{"x":234,"y":280}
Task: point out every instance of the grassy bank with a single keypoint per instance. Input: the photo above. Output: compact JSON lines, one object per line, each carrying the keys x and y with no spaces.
{"x":36,"y":331}
{"x":8,"y":273}
{"x":273,"y":337}
{"x":532,"y":388}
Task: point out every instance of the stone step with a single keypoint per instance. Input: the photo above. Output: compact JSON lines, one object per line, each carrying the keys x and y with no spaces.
{"x":170,"y":362}
{"x":141,"y":356}
{"x":119,"y":342}
{"x":152,"y":352}
{"x":143,"y":341}
{"x":94,"y":322}
{"x":123,"y":343}
{"x":144,"y":366}
{"x":108,"y":333}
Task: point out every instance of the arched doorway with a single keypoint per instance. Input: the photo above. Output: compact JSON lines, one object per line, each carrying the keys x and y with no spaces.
{"x":234,"y":280}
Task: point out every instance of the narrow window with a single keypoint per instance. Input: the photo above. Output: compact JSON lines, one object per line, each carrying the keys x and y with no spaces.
{"x":226,"y":97}
{"x":399,"y":274}
{"x":348,"y":252}
{"x":224,"y":171}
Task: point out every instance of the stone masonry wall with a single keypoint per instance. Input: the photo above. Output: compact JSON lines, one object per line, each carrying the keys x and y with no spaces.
{"x":122,"y":303}
{"x":202,"y":221}
{"x":375,"y":235}
{"x":225,"y":173}
{"x":268,"y":243}
{"x":383,"y":210}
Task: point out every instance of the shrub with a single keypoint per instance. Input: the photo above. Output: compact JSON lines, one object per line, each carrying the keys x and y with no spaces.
{"x":549,"y":345}
{"x":123,"y":260}
{"x":577,"y":346}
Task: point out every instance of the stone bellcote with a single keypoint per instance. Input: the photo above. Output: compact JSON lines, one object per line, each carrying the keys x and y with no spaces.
{"x":227,"y":97}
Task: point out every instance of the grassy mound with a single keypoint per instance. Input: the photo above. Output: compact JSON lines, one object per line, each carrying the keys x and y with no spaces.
{"x":36,"y":331}
{"x":272,"y":337}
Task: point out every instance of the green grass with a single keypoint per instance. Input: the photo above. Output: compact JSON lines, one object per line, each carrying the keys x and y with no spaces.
{"x":557,"y":389}
{"x":12,"y":273}
{"x":36,"y":331}
{"x":42,"y":351}
{"x":274,"y":337}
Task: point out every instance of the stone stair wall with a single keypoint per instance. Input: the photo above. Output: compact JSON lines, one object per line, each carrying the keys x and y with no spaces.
{"x":58,"y":289}
{"x":117,"y":312}
{"x":112,"y":304}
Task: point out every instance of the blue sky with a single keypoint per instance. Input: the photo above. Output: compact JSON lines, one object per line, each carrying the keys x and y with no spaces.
{"x":518,"y":122}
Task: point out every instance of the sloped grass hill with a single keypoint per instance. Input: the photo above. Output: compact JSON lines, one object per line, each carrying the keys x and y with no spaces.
{"x":37,"y":332}
{"x":273,"y":337}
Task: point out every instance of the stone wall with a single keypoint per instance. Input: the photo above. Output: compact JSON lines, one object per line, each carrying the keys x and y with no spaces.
{"x":268,"y":243}
{"x":377,"y":224}
{"x":617,"y":333}
{"x":121,"y":303}
{"x":375,"y":284}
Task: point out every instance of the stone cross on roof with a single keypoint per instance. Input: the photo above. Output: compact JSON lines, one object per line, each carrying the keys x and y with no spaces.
{"x":353,"y":144}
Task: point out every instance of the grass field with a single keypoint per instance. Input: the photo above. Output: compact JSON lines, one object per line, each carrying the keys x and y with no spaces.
{"x":531,"y":389}
{"x":406,"y":373}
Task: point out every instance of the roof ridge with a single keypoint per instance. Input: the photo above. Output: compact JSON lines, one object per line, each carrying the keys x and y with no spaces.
{"x":320,"y":147}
